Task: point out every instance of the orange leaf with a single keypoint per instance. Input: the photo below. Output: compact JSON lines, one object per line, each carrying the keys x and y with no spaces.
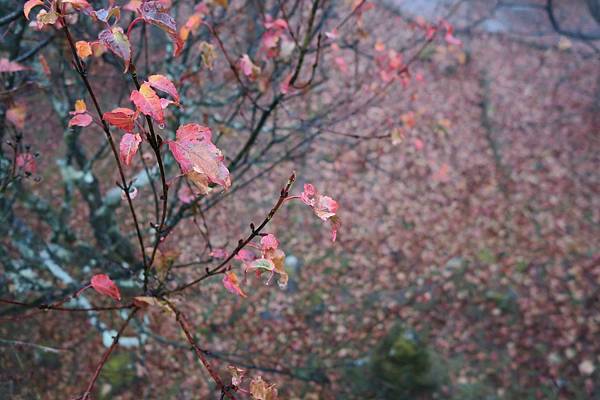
{"x":16,"y":115}
{"x":103,"y":285}
{"x":231,"y":283}
{"x":84,"y":50}
{"x":121,"y":117}
{"x":29,"y":5}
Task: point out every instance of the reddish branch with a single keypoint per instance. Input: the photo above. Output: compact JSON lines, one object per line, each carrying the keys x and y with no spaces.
{"x":106,"y":355}
{"x":155,"y":143}
{"x":81,"y":70}
{"x":255,"y":231}
{"x":185,"y":326}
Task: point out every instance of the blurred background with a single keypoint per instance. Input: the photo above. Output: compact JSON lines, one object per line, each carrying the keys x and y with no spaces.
{"x":465,"y":165}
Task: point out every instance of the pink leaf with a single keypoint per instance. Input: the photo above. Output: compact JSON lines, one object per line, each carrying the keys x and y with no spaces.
{"x":146,"y":100}
{"x":269,"y":242}
{"x":10,"y":66}
{"x":81,"y":120}
{"x":103,"y":285}
{"x":324,"y":207}
{"x":194,"y":151}
{"x":128,"y":147}
{"x":161,"y":82}
{"x":246,"y":65}
{"x":231,"y":283}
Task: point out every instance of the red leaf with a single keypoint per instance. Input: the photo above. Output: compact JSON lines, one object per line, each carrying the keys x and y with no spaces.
{"x":116,"y":41}
{"x":146,"y":100}
{"x":29,"y":5}
{"x":128,"y":147}
{"x":161,"y":82}
{"x":194,"y":151}
{"x":153,"y":12}
{"x":121,"y":117}
{"x":10,"y":66}
{"x":81,"y":120}
{"x":231,"y":283}
{"x":103,"y":285}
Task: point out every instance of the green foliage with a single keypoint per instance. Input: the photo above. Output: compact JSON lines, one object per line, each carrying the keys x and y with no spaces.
{"x":401,"y":367}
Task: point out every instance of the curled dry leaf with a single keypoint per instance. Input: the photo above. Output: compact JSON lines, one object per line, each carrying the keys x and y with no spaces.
{"x":261,"y":390}
{"x":29,"y":5}
{"x":237,"y":375}
{"x":153,"y":12}
{"x":104,"y":285}
{"x":117,"y":42}
{"x":145,"y":301}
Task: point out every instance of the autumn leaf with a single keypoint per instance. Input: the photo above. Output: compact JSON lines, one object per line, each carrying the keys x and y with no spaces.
{"x":237,"y":375}
{"x":191,"y":26}
{"x":81,"y":120}
{"x":324,"y":207}
{"x":84,"y":50}
{"x":122,"y":118}
{"x":147,"y":101}
{"x":104,"y":285}
{"x":16,"y":115}
{"x":153,"y":12}
{"x":10,"y":66}
{"x":146,"y":301}
{"x":81,"y":116}
{"x":29,"y":5}
{"x":162,"y":83}
{"x":194,"y":151}
{"x":128,"y":147}
{"x":261,"y":390}
{"x":231,"y":283}
{"x":117,"y":42}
